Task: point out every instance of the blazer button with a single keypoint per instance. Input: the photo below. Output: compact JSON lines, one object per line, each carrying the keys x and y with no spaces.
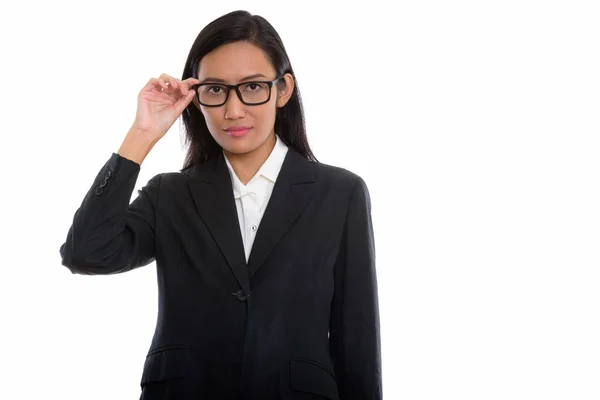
{"x":241,"y":295}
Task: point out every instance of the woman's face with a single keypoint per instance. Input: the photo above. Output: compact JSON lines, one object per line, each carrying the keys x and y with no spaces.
{"x":231,"y":64}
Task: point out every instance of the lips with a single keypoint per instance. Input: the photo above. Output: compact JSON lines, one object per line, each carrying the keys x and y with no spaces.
{"x":237,"y":131}
{"x":237,"y":128}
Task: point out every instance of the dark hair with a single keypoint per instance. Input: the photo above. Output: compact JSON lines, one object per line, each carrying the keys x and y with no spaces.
{"x":233,"y":27}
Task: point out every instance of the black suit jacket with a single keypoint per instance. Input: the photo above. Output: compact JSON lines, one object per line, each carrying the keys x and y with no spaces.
{"x":300,"y":320}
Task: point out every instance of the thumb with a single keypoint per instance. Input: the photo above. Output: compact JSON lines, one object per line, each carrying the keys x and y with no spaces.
{"x":183,"y":101}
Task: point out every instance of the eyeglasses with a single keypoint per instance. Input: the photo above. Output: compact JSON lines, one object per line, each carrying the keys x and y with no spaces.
{"x":251,"y":93}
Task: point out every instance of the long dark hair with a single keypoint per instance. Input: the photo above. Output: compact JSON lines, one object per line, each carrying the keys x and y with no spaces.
{"x":233,"y":27}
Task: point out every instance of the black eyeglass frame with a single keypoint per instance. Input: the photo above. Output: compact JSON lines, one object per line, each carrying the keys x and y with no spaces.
{"x":237,"y":90}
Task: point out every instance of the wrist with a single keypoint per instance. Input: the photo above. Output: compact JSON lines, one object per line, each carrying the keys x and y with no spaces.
{"x":136,"y":145}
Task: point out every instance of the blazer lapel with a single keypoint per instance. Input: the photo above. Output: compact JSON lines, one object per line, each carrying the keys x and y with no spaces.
{"x":293,"y":189}
{"x":211,"y":189}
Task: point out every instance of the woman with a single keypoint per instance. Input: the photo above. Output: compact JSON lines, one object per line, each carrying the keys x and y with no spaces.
{"x":265,"y":257}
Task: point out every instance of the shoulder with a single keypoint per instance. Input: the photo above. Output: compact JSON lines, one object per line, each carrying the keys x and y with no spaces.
{"x":179,"y":178}
{"x":339,"y":177}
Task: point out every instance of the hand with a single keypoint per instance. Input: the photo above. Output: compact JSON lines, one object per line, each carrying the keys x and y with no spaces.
{"x":160,"y":103}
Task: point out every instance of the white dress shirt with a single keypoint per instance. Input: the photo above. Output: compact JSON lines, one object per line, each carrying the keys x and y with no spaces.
{"x":251,"y":199}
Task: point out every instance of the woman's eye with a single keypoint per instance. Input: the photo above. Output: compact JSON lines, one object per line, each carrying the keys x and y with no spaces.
{"x":253,"y":87}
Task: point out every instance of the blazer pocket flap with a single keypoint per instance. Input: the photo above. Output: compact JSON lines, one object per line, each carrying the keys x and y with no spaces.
{"x":166,"y":363}
{"x":311,"y":377}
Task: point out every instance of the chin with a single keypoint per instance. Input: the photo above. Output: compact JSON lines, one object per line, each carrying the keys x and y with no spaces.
{"x":237,"y":146}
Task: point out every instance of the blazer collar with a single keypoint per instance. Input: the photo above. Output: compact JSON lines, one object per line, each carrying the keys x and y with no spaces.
{"x":211,"y":188}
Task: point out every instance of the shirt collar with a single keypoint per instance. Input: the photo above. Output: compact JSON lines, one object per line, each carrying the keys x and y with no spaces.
{"x":270,"y":168}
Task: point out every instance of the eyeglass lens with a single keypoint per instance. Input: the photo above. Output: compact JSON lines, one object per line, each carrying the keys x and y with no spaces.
{"x":252,"y":93}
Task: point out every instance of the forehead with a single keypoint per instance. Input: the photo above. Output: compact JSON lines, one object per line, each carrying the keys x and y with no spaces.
{"x":234,"y":61}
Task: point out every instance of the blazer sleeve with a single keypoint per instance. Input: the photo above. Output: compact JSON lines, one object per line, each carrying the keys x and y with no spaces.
{"x":108,"y":235}
{"x":354,"y":336}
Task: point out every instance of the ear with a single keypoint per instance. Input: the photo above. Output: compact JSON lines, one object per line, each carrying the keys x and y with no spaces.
{"x":284,"y":93}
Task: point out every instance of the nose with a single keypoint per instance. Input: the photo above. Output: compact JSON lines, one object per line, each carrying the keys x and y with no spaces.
{"x":234,"y":108}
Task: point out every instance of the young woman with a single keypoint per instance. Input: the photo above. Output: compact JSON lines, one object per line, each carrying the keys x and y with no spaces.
{"x":265,"y":257}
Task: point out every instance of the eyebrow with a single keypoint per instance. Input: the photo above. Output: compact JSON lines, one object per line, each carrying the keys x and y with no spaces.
{"x":211,"y":79}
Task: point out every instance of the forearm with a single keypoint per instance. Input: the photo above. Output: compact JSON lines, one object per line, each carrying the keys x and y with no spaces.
{"x":136,"y":146}
{"x":108,"y":235}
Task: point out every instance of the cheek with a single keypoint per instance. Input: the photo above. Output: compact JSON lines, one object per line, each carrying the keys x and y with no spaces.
{"x":211,"y":117}
{"x":267,"y":115}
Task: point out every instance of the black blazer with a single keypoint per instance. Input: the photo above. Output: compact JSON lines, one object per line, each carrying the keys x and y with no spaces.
{"x":300,"y":320}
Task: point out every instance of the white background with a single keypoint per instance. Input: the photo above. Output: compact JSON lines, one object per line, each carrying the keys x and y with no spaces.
{"x":474,"y":123}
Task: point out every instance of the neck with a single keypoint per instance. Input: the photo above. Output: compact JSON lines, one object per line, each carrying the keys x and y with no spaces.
{"x":247,"y":165}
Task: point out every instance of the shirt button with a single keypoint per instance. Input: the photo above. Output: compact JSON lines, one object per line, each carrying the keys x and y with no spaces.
{"x":254,"y":228}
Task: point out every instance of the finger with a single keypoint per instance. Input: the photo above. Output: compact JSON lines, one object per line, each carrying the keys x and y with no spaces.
{"x":158,"y":85}
{"x":191,"y":82}
{"x":186,"y":85}
{"x":183,"y":102}
{"x":153,"y":83}
{"x":183,"y":87}
{"x":167,"y":81}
